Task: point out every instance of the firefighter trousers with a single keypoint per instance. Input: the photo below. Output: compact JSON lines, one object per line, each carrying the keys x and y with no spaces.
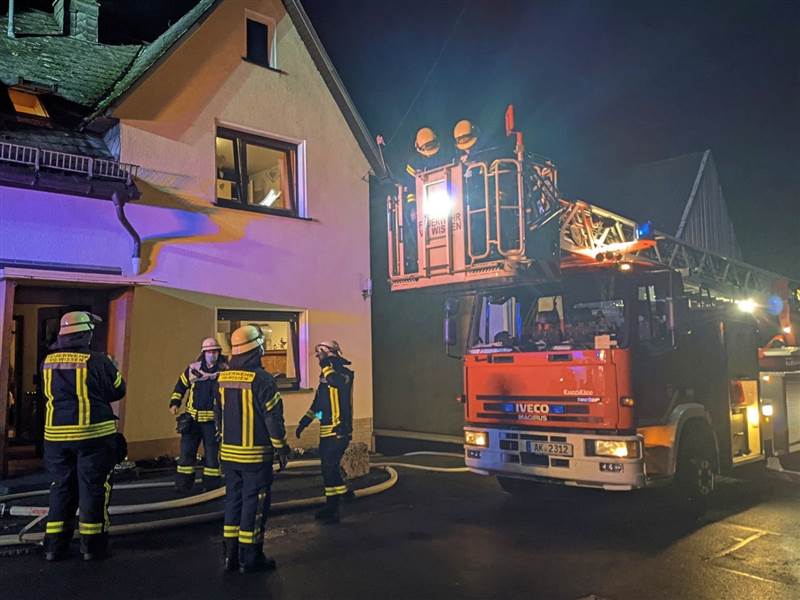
{"x":247,"y":502}
{"x":331,"y":450}
{"x":190,"y":443}
{"x":81,"y":475}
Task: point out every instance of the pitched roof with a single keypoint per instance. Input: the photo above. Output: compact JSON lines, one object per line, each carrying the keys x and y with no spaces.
{"x":150,"y":54}
{"x":335,"y":85}
{"x":58,"y":139}
{"x":656,"y":191}
{"x":81,"y":72}
{"x":683,"y":198}
{"x":97,"y":76}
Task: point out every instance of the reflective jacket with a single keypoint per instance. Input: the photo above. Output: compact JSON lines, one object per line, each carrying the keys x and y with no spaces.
{"x":249,"y":413}
{"x":80,"y":385}
{"x":333,"y":402}
{"x":201,"y":382}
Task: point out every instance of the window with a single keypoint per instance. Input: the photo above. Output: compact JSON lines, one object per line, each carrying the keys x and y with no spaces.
{"x":259,"y":33}
{"x":281,"y":341}
{"x":257,"y":173}
{"x":26,"y":103}
{"x":583,"y":311}
{"x":652,"y":314}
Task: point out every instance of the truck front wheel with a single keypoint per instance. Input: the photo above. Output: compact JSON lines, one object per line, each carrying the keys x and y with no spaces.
{"x":695,"y":477}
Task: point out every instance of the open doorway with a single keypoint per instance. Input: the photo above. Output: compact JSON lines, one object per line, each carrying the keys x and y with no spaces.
{"x":37,"y":311}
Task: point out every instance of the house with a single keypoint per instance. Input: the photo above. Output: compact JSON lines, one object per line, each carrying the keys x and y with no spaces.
{"x":215,"y":176}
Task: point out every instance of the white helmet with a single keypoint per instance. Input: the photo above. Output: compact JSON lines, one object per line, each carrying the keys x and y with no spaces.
{"x":210,"y":344}
{"x":77,"y":321}
{"x":245,"y":339}
{"x":332,"y":347}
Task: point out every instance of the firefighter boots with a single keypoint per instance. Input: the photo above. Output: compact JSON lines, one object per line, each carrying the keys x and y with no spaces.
{"x":330,"y":514}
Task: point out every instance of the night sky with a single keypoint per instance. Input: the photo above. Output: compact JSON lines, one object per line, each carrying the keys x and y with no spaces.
{"x":598,"y":86}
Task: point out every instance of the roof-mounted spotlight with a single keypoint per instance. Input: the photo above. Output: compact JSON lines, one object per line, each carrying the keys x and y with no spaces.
{"x":426,"y":142}
{"x":748,"y":305}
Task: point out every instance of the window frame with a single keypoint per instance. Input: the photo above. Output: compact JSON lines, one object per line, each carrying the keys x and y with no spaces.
{"x":40,"y":112}
{"x":270,"y":24}
{"x":295,"y":167}
{"x":293,"y":318}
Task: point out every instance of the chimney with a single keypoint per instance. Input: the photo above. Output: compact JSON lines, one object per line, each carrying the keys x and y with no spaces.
{"x":78,"y":18}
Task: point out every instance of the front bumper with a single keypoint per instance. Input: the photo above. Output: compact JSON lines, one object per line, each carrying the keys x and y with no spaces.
{"x":515,"y":460}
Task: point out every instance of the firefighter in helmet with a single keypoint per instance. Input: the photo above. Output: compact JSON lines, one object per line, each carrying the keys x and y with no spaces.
{"x":81,"y":443}
{"x":249,"y":418}
{"x":333,"y":407}
{"x":196,"y":425}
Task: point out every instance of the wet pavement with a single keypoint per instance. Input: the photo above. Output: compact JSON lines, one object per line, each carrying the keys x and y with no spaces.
{"x":438,"y":535}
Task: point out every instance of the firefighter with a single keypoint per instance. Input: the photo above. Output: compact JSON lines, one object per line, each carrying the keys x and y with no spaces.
{"x":333,"y":407}
{"x":81,"y":443}
{"x":197,"y":423}
{"x":249,"y":417}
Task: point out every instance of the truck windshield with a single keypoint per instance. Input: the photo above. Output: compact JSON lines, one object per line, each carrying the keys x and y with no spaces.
{"x":582,"y":311}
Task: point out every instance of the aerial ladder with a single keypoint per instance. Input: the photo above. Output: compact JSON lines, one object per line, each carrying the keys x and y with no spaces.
{"x":617,"y":408}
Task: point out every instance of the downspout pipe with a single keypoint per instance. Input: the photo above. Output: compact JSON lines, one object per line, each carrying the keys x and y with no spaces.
{"x":119,"y":199}
{"x":11,"y":18}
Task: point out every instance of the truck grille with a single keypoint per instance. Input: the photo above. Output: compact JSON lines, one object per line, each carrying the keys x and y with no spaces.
{"x":549,"y":409}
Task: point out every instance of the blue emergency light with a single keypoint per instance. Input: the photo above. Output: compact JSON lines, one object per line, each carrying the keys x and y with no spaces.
{"x":644,"y":231}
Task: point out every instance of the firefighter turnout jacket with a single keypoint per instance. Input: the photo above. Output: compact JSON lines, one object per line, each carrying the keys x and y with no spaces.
{"x":201,"y":383}
{"x":79,"y":385}
{"x":333,"y":402}
{"x":249,"y":413}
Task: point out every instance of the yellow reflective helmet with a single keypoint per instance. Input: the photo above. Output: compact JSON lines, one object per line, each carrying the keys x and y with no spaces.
{"x":245,"y":339}
{"x":426,"y":142}
{"x":210,"y":344}
{"x":465,"y":134}
{"x":77,"y":321}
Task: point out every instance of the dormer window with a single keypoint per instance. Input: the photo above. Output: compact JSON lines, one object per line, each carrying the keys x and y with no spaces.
{"x":26,"y":103}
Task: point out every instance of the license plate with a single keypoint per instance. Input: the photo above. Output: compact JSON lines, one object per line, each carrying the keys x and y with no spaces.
{"x":550,"y":448}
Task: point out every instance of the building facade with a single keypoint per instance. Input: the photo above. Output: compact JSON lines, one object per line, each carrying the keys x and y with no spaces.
{"x":216,"y":176}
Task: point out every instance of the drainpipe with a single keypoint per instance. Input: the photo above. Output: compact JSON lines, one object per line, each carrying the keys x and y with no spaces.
{"x":119,"y":199}
{"x":11,"y":18}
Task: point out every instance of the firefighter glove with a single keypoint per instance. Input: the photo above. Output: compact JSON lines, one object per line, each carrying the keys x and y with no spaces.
{"x":283,"y":457}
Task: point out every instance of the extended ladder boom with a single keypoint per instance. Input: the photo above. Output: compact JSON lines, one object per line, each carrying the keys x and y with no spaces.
{"x":486,"y":223}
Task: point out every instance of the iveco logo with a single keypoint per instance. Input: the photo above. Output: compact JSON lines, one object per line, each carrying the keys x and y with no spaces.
{"x":530,"y":408}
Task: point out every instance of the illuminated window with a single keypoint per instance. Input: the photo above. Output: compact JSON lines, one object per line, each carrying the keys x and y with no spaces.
{"x":26,"y":103}
{"x":281,"y":341}
{"x":256,"y":173}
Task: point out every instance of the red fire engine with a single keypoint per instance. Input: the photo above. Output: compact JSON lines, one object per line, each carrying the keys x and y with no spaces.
{"x":597,"y":352}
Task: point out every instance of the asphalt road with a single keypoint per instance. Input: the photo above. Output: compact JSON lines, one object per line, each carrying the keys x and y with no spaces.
{"x":459,"y":536}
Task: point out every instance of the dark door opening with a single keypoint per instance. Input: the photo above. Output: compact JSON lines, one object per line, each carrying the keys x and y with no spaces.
{"x":37,"y":315}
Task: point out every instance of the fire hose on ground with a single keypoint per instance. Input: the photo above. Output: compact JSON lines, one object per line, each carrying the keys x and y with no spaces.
{"x":23,"y":538}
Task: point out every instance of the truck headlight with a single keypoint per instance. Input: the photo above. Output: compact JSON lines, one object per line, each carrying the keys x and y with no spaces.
{"x":476,"y":438}
{"x":614,"y":448}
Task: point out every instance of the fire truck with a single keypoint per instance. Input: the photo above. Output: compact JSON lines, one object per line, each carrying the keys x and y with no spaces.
{"x":597,"y":351}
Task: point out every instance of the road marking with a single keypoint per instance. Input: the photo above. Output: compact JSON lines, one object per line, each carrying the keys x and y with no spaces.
{"x":754,"y":529}
{"x":739,"y":545}
{"x":735,"y":572}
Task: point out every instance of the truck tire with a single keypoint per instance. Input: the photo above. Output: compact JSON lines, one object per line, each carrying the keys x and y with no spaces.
{"x":695,"y":475}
